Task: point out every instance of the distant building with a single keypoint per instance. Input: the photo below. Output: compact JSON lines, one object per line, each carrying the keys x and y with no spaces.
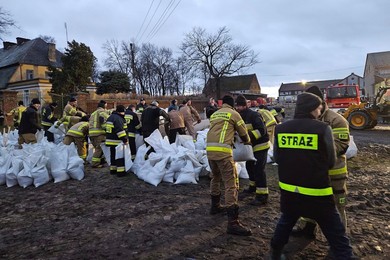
{"x":24,"y":68}
{"x":247,"y":85}
{"x":288,"y":92}
{"x":376,"y":72}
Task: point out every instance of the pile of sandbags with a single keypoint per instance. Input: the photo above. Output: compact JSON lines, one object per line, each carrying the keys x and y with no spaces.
{"x":37,"y":164}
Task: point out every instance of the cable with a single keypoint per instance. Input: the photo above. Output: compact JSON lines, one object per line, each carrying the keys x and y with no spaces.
{"x":150,"y":7}
{"x":147,"y":26}
{"x":165,"y":20}
{"x":160,"y":19}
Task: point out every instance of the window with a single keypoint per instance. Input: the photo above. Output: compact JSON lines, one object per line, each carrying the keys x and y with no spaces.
{"x":29,"y":74}
{"x":26,"y":96}
{"x":47,"y":76}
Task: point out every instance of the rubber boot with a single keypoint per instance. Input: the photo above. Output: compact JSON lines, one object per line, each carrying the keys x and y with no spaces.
{"x":260,"y":199}
{"x":216,"y":205}
{"x":308,"y":231}
{"x":234,"y":226}
{"x":247,"y":192}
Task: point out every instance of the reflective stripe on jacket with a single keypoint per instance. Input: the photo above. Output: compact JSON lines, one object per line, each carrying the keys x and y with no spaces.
{"x":97,"y":122}
{"x":79,"y":130}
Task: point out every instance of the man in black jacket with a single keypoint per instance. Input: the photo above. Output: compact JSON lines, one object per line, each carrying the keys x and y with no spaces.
{"x":48,"y":120}
{"x":304,"y":151}
{"x":133,"y":126}
{"x":29,"y":123}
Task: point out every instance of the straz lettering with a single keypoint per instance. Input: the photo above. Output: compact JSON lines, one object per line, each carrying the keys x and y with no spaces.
{"x":220,"y":115}
{"x":298,"y":141}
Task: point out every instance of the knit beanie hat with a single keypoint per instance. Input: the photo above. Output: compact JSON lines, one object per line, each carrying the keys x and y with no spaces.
{"x":120,"y":108}
{"x":316,"y":91}
{"x":72,"y":99}
{"x":228,"y":100}
{"x":102,"y":103}
{"x":306,"y":103}
{"x":35,"y":101}
{"x":241,"y":101}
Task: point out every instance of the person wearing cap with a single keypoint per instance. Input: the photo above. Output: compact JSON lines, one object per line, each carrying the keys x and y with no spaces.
{"x":304,"y":151}
{"x":189,"y":113}
{"x":211,"y":107}
{"x":150,"y":119}
{"x":97,"y":132}
{"x":71,"y":115}
{"x":77,"y":134}
{"x":29,"y":123}
{"x":115,"y":135}
{"x":133,"y":126}
{"x":260,"y":142}
{"x":177,"y":125}
{"x":48,"y":120}
{"x":16,"y":113}
{"x":338,"y":174}
{"x":224,"y":123}
{"x":141,"y":106}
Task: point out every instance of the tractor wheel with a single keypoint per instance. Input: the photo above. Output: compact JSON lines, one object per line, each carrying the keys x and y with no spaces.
{"x":359,"y":120}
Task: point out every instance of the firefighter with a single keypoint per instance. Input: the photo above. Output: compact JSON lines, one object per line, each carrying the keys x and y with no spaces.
{"x":71,"y":114}
{"x":48,"y":120}
{"x":260,"y":141}
{"x":223,"y":125}
{"x":133,"y":126}
{"x":141,"y":106}
{"x":305,"y":188}
{"x":77,"y":134}
{"x":29,"y":123}
{"x":189,"y":113}
{"x":115,"y":135}
{"x":16,"y":113}
{"x":270,"y":122}
{"x":150,"y":119}
{"x":339,"y":173}
{"x":97,"y":132}
{"x":177,"y":126}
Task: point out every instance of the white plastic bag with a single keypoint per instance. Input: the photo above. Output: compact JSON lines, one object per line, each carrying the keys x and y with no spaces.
{"x":59,"y":163}
{"x":352,"y":149}
{"x":106,"y":152}
{"x":119,"y":151}
{"x":242,"y":152}
{"x":127,"y":156}
{"x":187,"y":174}
{"x":75,"y":166}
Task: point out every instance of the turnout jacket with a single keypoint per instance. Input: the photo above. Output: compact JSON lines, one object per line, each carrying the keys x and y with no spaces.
{"x":48,"y":118}
{"x":132,"y":122}
{"x":29,"y":121}
{"x":79,"y":130}
{"x":304,"y":152}
{"x":16,"y":113}
{"x":97,"y":122}
{"x":256,"y":129}
{"x":115,"y":129}
{"x":268,"y":118}
{"x":340,"y":130}
{"x":150,"y":118}
{"x":220,"y":137}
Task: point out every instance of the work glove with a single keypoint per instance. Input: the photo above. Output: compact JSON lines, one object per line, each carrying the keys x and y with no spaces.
{"x":57,"y":125}
{"x":199,"y":121}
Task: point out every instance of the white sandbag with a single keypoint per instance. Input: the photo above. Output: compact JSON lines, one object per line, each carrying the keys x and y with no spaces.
{"x":156,"y":173}
{"x":352,"y":149}
{"x":195,"y":164}
{"x":5,"y":164}
{"x":139,"y":160}
{"x":6,"y":169}
{"x":75,"y":166}
{"x":12,"y":138}
{"x":177,"y":164}
{"x":127,"y":156}
{"x":40,"y":135}
{"x":159,"y":144}
{"x":40,"y":174}
{"x":59,"y":163}
{"x":270,"y":154}
{"x":201,"y":138}
{"x":106,"y":152}
{"x":187,"y":174}
{"x":241,"y":170}
{"x":91,"y":150}
{"x":119,"y":151}
{"x":59,"y":130}
{"x":242,"y":152}
{"x":186,"y":141}
{"x":139,"y":141}
{"x":169,"y":176}
{"x":24,"y":178}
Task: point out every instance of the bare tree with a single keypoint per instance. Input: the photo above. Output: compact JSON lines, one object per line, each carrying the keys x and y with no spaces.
{"x":217,"y":52}
{"x":48,"y":39}
{"x":6,"y":22}
{"x":118,"y":56}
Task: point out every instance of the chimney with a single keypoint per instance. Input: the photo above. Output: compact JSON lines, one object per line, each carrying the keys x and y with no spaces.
{"x":20,"y":40}
{"x":52,"y":52}
{"x":8,"y":45}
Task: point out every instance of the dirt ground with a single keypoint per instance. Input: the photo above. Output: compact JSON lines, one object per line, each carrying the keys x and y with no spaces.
{"x":106,"y":217}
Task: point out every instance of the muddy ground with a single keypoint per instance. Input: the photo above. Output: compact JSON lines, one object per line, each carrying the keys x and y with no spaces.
{"x":106,"y":217}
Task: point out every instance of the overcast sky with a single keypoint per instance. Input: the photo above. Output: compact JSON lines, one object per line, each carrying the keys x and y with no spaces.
{"x":296,"y":40}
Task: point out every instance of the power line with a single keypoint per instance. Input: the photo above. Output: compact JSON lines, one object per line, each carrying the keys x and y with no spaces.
{"x":165,"y":20}
{"x":143,"y":22}
{"x":150,"y":20}
{"x":162,"y":16}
